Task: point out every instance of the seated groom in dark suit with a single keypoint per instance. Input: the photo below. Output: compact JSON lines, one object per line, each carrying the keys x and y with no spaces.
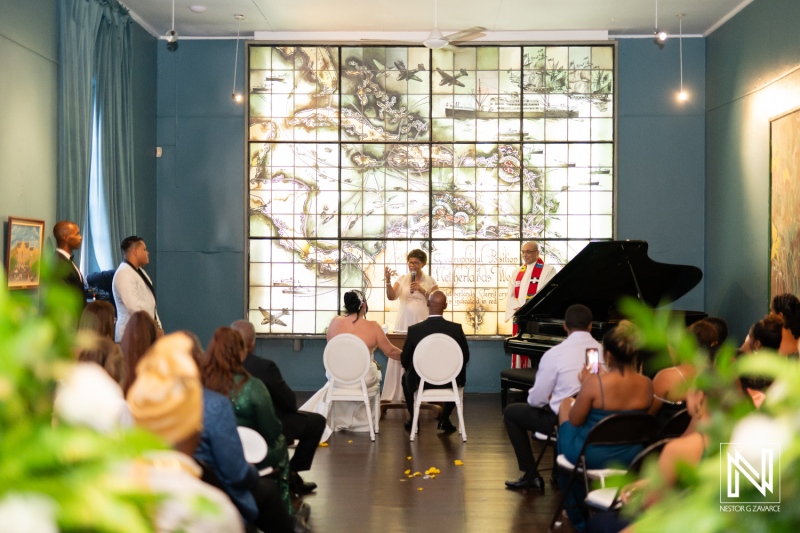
{"x":435,"y":323}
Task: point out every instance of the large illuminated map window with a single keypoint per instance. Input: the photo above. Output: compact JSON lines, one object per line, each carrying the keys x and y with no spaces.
{"x":358,"y":155}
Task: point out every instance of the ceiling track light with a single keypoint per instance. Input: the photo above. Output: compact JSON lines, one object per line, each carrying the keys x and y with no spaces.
{"x":172,"y":35}
{"x":660,"y":36}
{"x":237,"y":97}
{"x":682,"y":95}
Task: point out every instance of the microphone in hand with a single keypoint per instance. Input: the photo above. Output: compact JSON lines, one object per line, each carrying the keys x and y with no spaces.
{"x":413,"y":278}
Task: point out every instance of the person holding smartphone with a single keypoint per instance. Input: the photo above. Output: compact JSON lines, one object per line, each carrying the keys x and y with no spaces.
{"x":620,"y":389}
{"x":556,"y":380}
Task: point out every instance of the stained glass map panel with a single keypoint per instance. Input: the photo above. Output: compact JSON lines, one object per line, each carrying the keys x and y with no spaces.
{"x":359,"y":154}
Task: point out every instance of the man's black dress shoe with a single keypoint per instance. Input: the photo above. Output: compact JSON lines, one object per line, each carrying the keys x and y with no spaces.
{"x":527,"y":481}
{"x":446,"y":426}
{"x":407,"y":425}
{"x":296,"y":484}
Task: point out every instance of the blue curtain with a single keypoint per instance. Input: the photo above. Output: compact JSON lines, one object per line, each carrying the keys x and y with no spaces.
{"x":95,"y":47}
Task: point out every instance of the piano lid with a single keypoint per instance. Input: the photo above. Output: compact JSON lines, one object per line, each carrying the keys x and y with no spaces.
{"x":602,"y":273}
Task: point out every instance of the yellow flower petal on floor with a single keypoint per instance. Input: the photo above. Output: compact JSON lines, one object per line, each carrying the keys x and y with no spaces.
{"x":323,"y":444}
{"x":349,"y":442}
{"x":419,"y":488}
{"x":409,"y":457}
{"x":407,"y":472}
{"x":432,"y":470}
{"x":458,"y":462}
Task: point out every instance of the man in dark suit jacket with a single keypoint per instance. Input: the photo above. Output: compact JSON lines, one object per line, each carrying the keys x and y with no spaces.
{"x":435,"y":323}
{"x":305,"y":427}
{"x":68,"y":238}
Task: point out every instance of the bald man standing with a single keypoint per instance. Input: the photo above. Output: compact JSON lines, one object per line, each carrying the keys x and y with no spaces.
{"x":523,"y":284}
{"x":68,"y":239}
{"x":435,"y":323}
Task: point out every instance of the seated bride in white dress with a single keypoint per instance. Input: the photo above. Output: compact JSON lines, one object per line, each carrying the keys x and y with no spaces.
{"x":352,"y":416}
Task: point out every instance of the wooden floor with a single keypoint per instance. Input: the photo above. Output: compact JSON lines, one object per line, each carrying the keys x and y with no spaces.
{"x":363,"y":487}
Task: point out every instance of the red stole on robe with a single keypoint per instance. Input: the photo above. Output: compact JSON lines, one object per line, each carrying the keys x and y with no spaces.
{"x":523,"y":361}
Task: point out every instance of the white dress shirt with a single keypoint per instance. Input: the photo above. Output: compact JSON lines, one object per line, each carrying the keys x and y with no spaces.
{"x":557,"y":376}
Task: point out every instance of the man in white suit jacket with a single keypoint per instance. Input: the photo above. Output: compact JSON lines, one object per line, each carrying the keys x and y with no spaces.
{"x":132,"y":288}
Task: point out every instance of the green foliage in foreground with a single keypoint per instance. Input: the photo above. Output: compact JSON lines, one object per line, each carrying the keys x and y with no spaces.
{"x":53,"y":475}
{"x":695,"y":505}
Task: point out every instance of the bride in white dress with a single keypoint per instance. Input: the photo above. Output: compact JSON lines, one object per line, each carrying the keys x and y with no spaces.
{"x":353,"y":415}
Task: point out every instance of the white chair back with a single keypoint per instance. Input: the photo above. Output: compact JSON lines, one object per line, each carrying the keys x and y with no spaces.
{"x":253,"y":444}
{"x":346,"y":359}
{"x":438,"y":359}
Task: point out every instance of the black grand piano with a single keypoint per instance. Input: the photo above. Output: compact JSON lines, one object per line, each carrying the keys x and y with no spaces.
{"x":597,"y":277}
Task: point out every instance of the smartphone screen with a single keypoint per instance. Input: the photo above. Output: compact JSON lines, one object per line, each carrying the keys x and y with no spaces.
{"x":593,"y":360}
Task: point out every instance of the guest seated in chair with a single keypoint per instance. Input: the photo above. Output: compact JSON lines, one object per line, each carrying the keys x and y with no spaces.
{"x":689,"y":448}
{"x":556,"y":380}
{"x":787,"y":306}
{"x":221,"y":455}
{"x":435,"y":323}
{"x":352,"y":416}
{"x":223,"y":373}
{"x":303,"y":426}
{"x":621,"y":389}
{"x":671,"y":384}
{"x":167,"y":399}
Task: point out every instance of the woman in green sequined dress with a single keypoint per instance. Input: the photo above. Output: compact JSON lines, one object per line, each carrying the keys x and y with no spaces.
{"x":224,"y":373}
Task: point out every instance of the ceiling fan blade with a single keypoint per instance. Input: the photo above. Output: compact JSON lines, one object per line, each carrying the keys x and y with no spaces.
{"x":466,"y":35}
{"x":390,"y":42}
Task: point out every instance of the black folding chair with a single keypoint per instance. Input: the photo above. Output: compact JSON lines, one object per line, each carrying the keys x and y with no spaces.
{"x":607,"y":498}
{"x":548,"y":441}
{"x":676,"y":425}
{"x":616,"y":429}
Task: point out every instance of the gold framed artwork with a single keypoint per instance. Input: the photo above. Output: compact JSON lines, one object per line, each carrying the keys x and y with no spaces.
{"x":24,"y":252}
{"x":784,"y":216}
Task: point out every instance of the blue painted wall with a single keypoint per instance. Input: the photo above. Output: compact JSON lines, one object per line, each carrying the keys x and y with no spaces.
{"x":29,"y":116}
{"x":753,"y":75}
{"x":28,"y":112}
{"x":201,"y":206}
{"x":144,"y":94}
{"x":661,"y":185}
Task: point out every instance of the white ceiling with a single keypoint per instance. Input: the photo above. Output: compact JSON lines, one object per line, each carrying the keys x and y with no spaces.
{"x":354,"y":19}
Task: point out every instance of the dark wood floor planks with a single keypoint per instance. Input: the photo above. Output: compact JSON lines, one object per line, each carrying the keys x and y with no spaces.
{"x":363,"y":488}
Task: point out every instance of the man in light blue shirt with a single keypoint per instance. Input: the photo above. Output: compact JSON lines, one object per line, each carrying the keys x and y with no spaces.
{"x":556,"y":379}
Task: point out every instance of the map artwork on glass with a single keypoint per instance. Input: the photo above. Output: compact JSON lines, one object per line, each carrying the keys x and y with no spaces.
{"x":358,"y":155}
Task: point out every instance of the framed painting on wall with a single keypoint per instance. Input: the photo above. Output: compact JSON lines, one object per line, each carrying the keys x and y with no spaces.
{"x":24,"y":252}
{"x":784,"y":215}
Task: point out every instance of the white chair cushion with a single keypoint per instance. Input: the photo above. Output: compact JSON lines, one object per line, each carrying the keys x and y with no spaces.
{"x":564,"y":463}
{"x":602,"y":498}
{"x":592,"y":473}
{"x":543,"y":437}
